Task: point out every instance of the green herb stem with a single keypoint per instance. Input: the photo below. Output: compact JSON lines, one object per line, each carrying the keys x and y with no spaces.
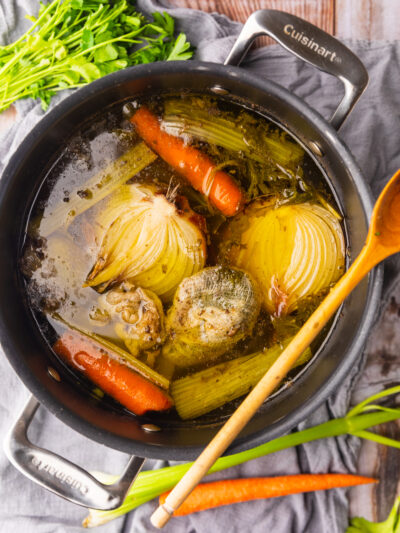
{"x":152,"y":483}
{"x":73,"y":42}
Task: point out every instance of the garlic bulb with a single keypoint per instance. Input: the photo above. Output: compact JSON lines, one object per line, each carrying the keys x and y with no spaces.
{"x":293,"y":251}
{"x":148,"y":240}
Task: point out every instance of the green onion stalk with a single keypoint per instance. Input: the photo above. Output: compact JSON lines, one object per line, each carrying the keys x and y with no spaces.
{"x":357,"y":422}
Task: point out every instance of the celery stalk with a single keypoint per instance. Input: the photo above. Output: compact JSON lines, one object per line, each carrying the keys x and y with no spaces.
{"x":182,"y":117}
{"x":136,"y":364}
{"x":203,"y":391}
{"x":152,"y":483}
{"x":98,"y":187}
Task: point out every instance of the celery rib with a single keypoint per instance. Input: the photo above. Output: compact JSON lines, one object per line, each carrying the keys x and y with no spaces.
{"x":133,"y":362}
{"x":183,"y":117}
{"x":99,"y":186}
{"x":152,"y":483}
{"x":211,"y":388}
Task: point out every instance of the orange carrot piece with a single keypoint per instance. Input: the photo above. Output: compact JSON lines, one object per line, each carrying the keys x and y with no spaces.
{"x":195,"y":166}
{"x":115,"y":378}
{"x":217,"y":493}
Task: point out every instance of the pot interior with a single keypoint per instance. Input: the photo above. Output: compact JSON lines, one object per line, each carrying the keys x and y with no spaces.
{"x":32,"y":357}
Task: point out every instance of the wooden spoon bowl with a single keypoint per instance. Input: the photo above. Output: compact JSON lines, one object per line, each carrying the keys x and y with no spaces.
{"x":385,"y":222}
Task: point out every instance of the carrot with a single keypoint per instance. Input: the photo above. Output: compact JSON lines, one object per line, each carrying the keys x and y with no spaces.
{"x":194,"y":165}
{"x":217,"y":493}
{"x":115,"y":378}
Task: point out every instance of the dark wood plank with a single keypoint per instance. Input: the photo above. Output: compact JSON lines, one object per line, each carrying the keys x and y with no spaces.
{"x":381,"y":462}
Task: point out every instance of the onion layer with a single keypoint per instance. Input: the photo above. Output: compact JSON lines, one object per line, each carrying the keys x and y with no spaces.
{"x":293,"y":251}
{"x":146,"y":239}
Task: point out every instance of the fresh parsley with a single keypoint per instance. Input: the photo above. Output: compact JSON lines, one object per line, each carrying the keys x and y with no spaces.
{"x":73,"y":42}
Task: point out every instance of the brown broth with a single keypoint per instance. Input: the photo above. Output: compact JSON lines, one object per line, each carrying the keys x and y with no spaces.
{"x":55,"y":266}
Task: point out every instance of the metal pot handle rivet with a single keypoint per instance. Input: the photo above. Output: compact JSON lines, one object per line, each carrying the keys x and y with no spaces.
{"x":312,"y":45}
{"x":61,"y":476}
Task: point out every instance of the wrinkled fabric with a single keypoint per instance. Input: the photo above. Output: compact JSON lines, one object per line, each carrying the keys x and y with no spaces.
{"x":372,"y":134}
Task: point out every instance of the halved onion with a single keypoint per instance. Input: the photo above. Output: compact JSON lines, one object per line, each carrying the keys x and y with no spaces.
{"x":148,"y":240}
{"x":293,"y":251}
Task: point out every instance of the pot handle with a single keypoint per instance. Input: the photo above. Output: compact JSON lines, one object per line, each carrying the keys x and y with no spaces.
{"x":59,"y":475}
{"x":310,"y":44}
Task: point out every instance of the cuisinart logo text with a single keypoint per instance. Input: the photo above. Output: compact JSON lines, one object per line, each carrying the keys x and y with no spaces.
{"x":290,"y":30}
{"x":59,"y":474}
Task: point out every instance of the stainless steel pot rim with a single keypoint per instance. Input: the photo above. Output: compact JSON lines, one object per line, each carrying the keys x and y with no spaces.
{"x":220,"y":73}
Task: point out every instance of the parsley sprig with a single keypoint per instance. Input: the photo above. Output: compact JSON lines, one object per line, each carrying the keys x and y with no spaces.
{"x":73,"y":42}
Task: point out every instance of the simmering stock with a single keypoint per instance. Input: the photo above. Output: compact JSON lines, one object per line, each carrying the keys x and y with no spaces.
{"x":176,"y":246}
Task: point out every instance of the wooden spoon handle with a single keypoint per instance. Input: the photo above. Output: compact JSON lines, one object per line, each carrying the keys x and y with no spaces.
{"x":362,"y":265}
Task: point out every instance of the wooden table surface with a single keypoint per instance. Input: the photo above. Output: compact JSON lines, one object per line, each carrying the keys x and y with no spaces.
{"x":358,"y":19}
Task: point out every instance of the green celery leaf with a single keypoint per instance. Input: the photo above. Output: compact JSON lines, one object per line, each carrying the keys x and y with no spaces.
{"x":45,"y":97}
{"x":122,"y":52}
{"x":132,"y":21}
{"x":152,"y":28}
{"x":390,"y":525}
{"x":36,"y":43}
{"x":146,"y":55}
{"x":63,"y":85}
{"x":44,"y":63}
{"x":181,"y":49}
{"x":76,"y":4}
{"x":112,"y":66}
{"x":34,"y":89}
{"x":69,"y":77}
{"x":103,"y":36}
{"x":59,"y":50}
{"x":88,"y":71}
{"x":166,"y":22}
{"x":108,"y":52}
{"x":87,"y":39}
{"x":103,"y":28}
{"x":61,"y":53}
{"x":24,"y":62}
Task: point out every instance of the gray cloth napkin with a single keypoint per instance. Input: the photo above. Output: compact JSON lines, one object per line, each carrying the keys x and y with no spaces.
{"x":372,"y":133}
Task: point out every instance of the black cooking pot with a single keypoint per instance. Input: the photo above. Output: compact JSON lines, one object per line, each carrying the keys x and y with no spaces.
{"x":20,"y":337}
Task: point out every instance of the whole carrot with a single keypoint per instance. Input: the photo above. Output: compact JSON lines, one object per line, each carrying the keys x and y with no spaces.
{"x":217,"y":493}
{"x":114,"y":377}
{"x":193,"y":164}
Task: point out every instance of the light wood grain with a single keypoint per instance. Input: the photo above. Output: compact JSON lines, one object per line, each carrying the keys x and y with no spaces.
{"x":318,"y":12}
{"x":375,"y":502}
{"x":383,"y":370}
{"x":367,"y":19}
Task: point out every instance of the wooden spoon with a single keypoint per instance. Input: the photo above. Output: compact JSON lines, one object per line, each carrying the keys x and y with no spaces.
{"x":383,"y":240}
